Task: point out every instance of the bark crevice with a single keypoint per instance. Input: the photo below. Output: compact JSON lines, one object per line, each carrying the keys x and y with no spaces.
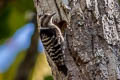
{"x":93,"y":41}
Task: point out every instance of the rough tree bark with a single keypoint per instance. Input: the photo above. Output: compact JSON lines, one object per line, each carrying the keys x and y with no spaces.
{"x":92,"y":43}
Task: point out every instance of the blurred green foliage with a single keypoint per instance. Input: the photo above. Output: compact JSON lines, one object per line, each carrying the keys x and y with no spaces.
{"x":44,"y":71}
{"x":24,"y":5}
{"x":48,"y":78}
{"x":10,"y":74}
{"x":12,"y":17}
{"x":4,"y":28}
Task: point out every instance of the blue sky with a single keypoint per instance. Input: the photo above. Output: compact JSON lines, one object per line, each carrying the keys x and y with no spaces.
{"x":19,"y":42}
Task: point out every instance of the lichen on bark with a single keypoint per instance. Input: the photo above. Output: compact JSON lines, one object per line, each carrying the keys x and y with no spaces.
{"x":92,"y":46}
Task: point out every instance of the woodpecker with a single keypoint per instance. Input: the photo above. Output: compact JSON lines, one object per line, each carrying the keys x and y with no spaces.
{"x":53,"y":40}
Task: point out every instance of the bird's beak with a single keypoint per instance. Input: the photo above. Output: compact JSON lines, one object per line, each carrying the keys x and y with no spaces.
{"x":52,"y":14}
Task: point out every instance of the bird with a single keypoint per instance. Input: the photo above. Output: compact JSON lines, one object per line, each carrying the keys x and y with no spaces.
{"x":53,"y":40}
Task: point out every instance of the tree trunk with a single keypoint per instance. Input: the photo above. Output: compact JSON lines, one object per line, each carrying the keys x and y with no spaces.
{"x":92,"y":43}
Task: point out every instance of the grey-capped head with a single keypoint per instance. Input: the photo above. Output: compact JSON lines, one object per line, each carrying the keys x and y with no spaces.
{"x":46,"y":19}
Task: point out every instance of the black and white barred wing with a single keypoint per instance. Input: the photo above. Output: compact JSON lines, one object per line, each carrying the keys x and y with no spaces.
{"x":53,"y":46}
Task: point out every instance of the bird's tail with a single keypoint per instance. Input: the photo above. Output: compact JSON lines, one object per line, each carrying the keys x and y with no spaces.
{"x":63,"y":69}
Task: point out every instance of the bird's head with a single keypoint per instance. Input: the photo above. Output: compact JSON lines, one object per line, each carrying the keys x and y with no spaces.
{"x":46,"y":19}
